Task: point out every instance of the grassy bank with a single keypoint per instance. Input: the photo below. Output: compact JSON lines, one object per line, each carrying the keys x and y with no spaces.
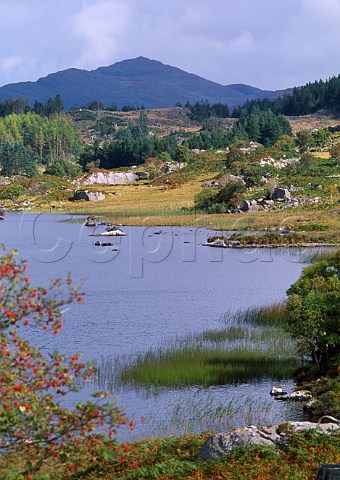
{"x":176,"y":458}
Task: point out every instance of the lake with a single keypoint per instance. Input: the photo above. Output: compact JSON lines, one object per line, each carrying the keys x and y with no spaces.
{"x":153,"y":286}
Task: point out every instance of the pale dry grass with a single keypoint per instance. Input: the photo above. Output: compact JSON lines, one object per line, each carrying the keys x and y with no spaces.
{"x":150,"y":206}
{"x":324,"y":155}
{"x":310,"y":122}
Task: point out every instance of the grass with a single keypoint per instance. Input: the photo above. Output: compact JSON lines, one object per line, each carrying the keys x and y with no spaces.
{"x":268,"y":316}
{"x":176,"y":458}
{"x":199,"y":366}
{"x":195,"y":414}
{"x":254,"y":347}
{"x":162,"y":205}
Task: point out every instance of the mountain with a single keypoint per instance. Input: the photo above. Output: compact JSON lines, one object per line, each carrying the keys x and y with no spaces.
{"x":134,"y":82}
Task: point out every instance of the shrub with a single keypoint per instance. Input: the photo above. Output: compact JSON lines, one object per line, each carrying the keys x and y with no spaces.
{"x":33,"y":422}
{"x":313,"y":311}
{"x":13,"y":191}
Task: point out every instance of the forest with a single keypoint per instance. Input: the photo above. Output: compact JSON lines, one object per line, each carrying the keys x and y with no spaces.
{"x":45,"y":136}
{"x":302,"y":101}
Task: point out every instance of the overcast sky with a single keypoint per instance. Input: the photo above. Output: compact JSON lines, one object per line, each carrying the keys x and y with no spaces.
{"x":270,"y":44}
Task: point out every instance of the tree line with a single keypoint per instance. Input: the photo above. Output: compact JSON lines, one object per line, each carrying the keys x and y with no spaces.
{"x":302,"y":101}
{"x":21,"y":105}
{"x":29,"y":139}
{"x":203,"y":109}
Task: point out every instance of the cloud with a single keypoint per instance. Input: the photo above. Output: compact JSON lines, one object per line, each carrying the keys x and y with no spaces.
{"x":265,"y":43}
{"x":101,"y":27}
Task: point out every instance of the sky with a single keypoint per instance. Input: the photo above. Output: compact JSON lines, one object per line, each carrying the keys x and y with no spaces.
{"x":270,"y":44}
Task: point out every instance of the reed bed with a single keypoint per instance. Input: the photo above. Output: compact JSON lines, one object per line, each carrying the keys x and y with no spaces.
{"x":267,"y":316}
{"x":254,"y":347}
{"x":201,"y":366}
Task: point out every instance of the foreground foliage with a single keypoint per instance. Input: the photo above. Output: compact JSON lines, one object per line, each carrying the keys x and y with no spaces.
{"x":176,"y":458}
{"x":313,"y":312}
{"x":33,"y":420}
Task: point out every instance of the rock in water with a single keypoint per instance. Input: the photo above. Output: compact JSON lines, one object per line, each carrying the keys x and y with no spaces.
{"x":91,"y":221}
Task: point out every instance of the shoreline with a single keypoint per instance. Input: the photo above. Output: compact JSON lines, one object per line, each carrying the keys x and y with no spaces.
{"x":217,"y":229}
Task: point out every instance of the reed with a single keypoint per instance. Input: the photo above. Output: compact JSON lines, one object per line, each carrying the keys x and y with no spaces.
{"x":267,"y":316}
{"x":201,"y":366}
{"x":256,"y":346}
{"x":197,"y":414}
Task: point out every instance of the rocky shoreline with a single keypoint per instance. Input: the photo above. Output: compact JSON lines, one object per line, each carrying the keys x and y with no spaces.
{"x":278,"y":435}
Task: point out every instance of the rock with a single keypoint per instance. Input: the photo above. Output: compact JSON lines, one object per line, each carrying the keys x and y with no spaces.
{"x":250,"y":206}
{"x":88,"y":196}
{"x":328,"y":471}
{"x":209,"y":183}
{"x":228,"y":177}
{"x":91,"y":221}
{"x":298,"y":395}
{"x":277,"y":390}
{"x":216,"y":243}
{"x":268,"y":202}
{"x":107,"y":178}
{"x":111,"y":231}
{"x":281,"y":194}
{"x":220,"y":444}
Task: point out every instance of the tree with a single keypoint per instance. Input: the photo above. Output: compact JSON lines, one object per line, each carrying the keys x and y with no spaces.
{"x":64,"y":169}
{"x":235,"y":154}
{"x":33,"y":422}
{"x":335,"y":151}
{"x":307,"y":161}
{"x":304,"y":140}
{"x":183,"y":154}
{"x":16,"y":159}
{"x":313,"y":312}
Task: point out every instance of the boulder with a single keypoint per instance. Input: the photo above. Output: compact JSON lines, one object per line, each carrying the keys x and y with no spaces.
{"x":96,"y":196}
{"x":103,"y":244}
{"x":277,"y":390}
{"x":209,"y":183}
{"x":218,"y":242}
{"x":111,"y":231}
{"x":228,"y":177}
{"x":88,"y":196}
{"x":281,"y":194}
{"x":298,"y":395}
{"x":250,"y":206}
{"x":107,"y":178}
{"x":328,"y":471}
{"x":220,"y":444}
{"x":91,"y":221}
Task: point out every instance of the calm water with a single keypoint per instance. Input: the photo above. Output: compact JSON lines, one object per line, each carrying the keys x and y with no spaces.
{"x":158,"y":284}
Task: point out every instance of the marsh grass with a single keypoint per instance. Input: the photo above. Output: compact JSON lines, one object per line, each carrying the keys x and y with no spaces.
{"x":268,"y":316}
{"x":218,"y":359}
{"x":197,"y":414}
{"x":201,"y":366}
{"x":319,"y":254}
{"x":254,"y":347}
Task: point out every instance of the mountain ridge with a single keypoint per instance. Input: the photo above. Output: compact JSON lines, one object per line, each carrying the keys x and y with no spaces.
{"x":136,"y":82}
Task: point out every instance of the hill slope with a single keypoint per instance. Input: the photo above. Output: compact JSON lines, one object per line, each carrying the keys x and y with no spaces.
{"x":135,"y":82}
